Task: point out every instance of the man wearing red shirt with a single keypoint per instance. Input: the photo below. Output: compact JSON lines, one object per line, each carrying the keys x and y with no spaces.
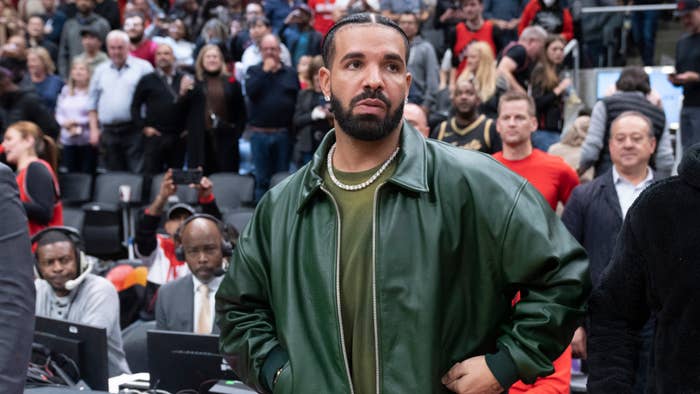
{"x":141,"y":47}
{"x":549,"y":174}
{"x":552,"y":177}
{"x":474,"y":28}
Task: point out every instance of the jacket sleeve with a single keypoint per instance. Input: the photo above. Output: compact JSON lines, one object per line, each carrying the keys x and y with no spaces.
{"x":663,"y":160}
{"x":593,"y":144}
{"x":618,"y":310}
{"x":17,"y":292}
{"x":572,"y":217}
{"x":139,"y":99}
{"x":540,"y":259}
{"x":243,"y":310}
{"x":528,"y":15}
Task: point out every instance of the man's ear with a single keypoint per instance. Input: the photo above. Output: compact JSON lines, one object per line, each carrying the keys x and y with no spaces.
{"x":409,"y":78}
{"x":324,"y":77}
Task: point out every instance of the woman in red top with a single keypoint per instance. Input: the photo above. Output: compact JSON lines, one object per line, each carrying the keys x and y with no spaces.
{"x":35,"y":156}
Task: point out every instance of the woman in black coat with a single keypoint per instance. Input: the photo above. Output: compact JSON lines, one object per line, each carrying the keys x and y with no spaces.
{"x":312,"y":116}
{"x":216,"y":115}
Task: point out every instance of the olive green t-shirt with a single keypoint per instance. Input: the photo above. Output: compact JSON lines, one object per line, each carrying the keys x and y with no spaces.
{"x":357,"y":272}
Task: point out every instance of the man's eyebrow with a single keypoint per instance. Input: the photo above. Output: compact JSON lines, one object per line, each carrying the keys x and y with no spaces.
{"x":393,"y":57}
{"x":353,"y":55}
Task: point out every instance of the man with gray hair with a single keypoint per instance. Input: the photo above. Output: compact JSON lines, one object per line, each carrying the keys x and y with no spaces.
{"x":595,"y":211}
{"x":111,"y":91}
{"x":519,"y":58}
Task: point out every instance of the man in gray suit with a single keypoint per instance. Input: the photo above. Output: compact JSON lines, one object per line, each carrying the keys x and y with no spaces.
{"x":187,"y":304}
{"x":16,"y":287}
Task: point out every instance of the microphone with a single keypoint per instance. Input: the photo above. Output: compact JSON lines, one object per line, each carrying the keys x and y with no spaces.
{"x":73,"y":283}
{"x":219,"y":272}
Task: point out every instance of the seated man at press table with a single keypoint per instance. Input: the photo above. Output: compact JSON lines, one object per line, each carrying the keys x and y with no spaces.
{"x":66,"y":290}
{"x":187,"y":304}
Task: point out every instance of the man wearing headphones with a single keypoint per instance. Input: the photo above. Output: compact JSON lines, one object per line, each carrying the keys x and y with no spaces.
{"x":187,"y":304}
{"x":66,"y":290}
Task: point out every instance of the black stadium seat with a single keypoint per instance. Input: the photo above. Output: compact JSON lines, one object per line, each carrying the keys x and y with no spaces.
{"x":103,"y":226}
{"x":76,"y":188}
{"x":233,"y":191}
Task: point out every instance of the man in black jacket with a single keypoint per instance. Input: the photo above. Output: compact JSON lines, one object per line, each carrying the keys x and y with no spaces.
{"x":162,"y":118}
{"x":654,"y":270}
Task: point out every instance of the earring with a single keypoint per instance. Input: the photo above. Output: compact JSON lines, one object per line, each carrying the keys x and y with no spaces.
{"x":327,"y":98}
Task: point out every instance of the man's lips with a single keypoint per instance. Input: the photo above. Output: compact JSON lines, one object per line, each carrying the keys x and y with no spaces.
{"x":371,"y":103}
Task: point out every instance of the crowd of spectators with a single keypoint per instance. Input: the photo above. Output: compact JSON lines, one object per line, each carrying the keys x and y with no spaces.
{"x":145,"y":86}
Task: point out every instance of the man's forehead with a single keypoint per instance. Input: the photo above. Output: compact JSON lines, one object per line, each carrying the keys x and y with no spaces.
{"x":352,"y":38}
{"x":55,"y":248}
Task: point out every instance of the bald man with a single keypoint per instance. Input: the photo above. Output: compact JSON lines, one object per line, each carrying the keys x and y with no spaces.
{"x":187,"y":304}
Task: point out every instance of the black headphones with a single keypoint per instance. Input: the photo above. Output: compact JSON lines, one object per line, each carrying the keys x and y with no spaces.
{"x":84,"y":266}
{"x":226,"y":247}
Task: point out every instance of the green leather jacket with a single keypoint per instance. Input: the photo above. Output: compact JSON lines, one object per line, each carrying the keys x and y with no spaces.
{"x":456,"y":235}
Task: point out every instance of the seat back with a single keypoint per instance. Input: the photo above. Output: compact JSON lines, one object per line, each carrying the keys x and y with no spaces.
{"x":76,"y":188}
{"x":107,"y":187}
{"x":73,"y":217}
{"x":232,"y":190}
{"x":239,"y":218}
{"x":103,"y":231}
{"x":134,"y":343}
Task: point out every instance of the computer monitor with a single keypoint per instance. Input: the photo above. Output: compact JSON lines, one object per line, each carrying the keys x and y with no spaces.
{"x":85,"y":345}
{"x":180,"y":360}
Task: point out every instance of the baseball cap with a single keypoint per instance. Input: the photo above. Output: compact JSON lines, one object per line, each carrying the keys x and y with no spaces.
{"x":88,"y":30}
{"x":179,"y":208}
{"x":685,"y":6}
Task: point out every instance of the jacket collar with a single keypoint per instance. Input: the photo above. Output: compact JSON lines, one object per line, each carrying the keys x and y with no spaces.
{"x":410,"y":174}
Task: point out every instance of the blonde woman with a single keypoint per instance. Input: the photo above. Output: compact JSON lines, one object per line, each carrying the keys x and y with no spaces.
{"x":72,"y":114}
{"x":42,"y":73}
{"x":481,"y":70}
{"x":215,"y":114}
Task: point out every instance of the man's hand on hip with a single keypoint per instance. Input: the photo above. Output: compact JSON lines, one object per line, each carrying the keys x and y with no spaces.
{"x":471,"y":376}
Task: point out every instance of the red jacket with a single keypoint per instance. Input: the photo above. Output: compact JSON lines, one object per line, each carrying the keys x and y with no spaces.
{"x":533,"y":7}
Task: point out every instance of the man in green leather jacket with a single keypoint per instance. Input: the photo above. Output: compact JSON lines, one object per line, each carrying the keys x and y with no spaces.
{"x":388,"y":264}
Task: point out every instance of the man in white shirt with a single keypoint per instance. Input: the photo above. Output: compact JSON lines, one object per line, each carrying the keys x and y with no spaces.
{"x":187,"y":304}
{"x":595,"y":211}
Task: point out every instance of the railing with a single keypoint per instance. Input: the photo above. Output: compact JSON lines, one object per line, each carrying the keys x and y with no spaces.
{"x":628,"y":8}
{"x":573,"y":48}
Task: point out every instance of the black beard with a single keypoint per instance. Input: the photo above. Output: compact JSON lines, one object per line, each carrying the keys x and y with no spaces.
{"x":137,"y":39}
{"x":366,"y":127}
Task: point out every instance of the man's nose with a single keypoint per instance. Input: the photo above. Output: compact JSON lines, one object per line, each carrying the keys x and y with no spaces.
{"x":373,"y":78}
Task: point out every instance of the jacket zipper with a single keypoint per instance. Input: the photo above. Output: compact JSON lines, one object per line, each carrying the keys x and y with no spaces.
{"x":374,"y":288}
{"x":337,"y":292}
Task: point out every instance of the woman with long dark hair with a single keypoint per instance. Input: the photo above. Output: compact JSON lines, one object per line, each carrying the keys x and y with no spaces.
{"x":35,"y":155}
{"x":216,"y":114}
{"x":548,"y":90}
